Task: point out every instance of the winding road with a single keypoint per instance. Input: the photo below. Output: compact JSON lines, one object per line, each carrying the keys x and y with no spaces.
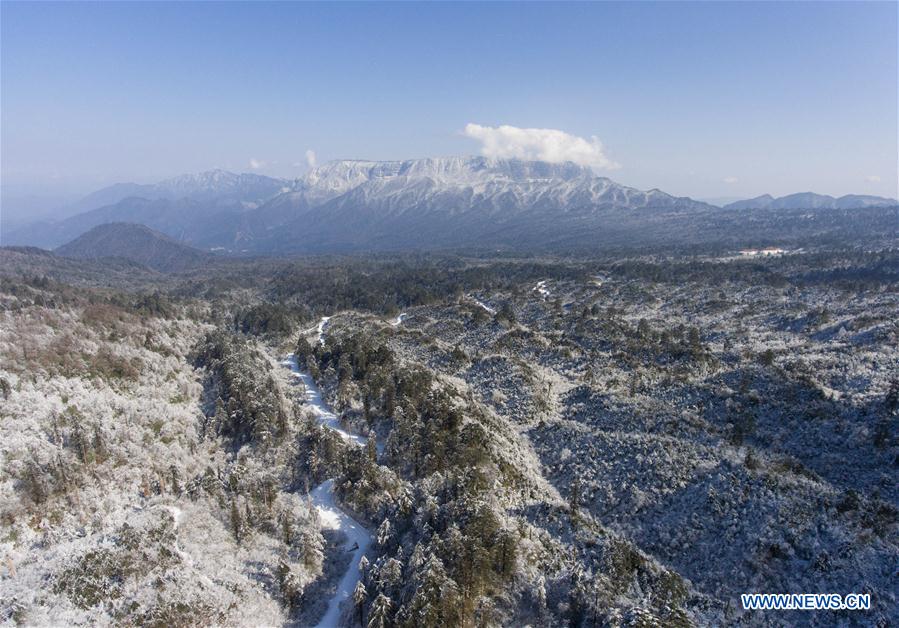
{"x":358,"y":538}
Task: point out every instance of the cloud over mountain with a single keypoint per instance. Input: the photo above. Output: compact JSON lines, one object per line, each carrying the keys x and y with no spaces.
{"x":550,"y":145}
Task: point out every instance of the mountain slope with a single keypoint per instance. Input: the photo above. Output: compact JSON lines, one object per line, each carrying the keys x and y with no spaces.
{"x":136,"y":243}
{"x":460,"y":184}
{"x":455,"y":201}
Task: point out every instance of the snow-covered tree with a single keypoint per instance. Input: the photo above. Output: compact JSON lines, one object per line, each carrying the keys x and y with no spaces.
{"x":360,"y":596}
{"x":379,"y":616}
{"x":385,"y":532}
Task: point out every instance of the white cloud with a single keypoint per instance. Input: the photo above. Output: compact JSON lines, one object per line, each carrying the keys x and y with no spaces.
{"x":310,"y":158}
{"x":730,"y":179}
{"x":256,"y":164}
{"x":552,"y":145}
{"x":873,"y":178}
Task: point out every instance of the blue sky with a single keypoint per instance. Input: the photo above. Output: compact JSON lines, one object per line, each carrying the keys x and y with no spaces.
{"x":706,"y":99}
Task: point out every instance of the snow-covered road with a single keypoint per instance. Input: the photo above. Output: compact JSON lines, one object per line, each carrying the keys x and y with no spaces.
{"x":358,"y":538}
{"x":358,"y":541}
{"x":315,"y":402}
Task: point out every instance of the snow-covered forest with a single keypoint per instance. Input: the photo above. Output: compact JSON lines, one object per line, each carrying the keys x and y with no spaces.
{"x":628,"y":440}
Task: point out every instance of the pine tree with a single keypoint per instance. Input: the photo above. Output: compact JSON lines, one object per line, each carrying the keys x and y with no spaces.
{"x":99,"y":445}
{"x":643,"y":328}
{"x":314,"y":369}
{"x":371,"y":448}
{"x":360,"y":595}
{"x":303,"y":350}
{"x":891,"y":400}
{"x":436,"y":601}
{"x":281,"y":423}
{"x":177,"y":488}
{"x":506,"y":314}
{"x":384,"y":532}
{"x":506,"y":551}
{"x":574,"y":501}
{"x":313,"y":547}
{"x":344,"y":368}
{"x":380,"y":612}
{"x":249,"y":516}
{"x":288,"y":583}
{"x":236,"y":521}
{"x":209,"y":482}
{"x":404,"y":503}
{"x":287,"y":528}
{"x":390,"y":398}
{"x":575,"y":599}
{"x":220,"y":418}
{"x":313,"y":462}
{"x":366,"y":405}
{"x":33,"y":479}
{"x":363,"y":568}
{"x":390,"y":575}
{"x":693,"y":337}
{"x":78,"y":441}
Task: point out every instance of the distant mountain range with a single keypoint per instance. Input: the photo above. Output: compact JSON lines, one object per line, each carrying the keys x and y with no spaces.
{"x":180,"y":207}
{"x":351,"y":205}
{"x":809,"y":200}
{"x":135,"y":243}
{"x":217,"y":186}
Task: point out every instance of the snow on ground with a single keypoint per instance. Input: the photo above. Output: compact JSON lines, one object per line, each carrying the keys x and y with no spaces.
{"x":319,"y":329}
{"x":744,"y":254}
{"x":177,"y":514}
{"x":358,"y":540}
{"x":761,"y":252}
{"x":316,"y":403}
{"x":482,"y":305}
{"x":120,"y":542}
{"x":541,"y":289}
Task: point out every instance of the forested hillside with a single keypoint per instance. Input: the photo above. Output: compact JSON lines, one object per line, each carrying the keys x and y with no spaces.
{"x":618,"y":440}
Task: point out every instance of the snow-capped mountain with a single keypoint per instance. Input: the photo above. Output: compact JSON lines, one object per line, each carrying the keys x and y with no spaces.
{"x":352,"y":205}
{"x":810,"y":200}
{"x":246,"y":187}
{"x":450,"y":201}
{"x":457,"y":184}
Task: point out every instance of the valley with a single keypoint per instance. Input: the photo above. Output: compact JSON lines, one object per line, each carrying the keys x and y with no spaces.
{"x":449,"y":314}
{"x":618,"y":440}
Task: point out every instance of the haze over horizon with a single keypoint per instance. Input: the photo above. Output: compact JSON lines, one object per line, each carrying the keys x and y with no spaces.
{"x":680,"y":97}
